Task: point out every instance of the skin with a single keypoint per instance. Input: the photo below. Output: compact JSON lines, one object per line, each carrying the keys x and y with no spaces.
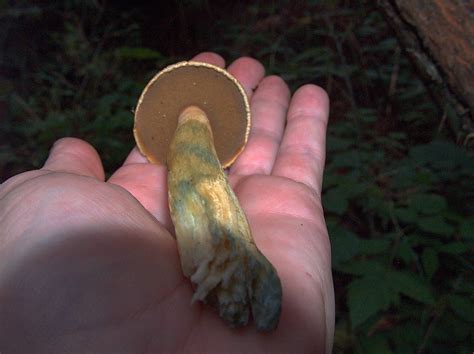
{"x":88,"y":265}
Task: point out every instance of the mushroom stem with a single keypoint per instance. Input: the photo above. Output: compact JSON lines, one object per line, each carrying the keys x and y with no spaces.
{"x":216,"y":247}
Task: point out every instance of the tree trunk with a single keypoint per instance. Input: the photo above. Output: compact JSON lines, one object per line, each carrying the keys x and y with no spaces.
{"x":438,"y":35}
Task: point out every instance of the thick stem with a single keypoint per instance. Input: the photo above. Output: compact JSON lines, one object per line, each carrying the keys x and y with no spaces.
{"x":216,"y":247}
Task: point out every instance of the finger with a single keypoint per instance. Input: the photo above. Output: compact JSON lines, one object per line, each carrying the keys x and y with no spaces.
{"x":134,"y":157}
{"x":269,"y":106}
{"x":249,"y":72}
{"x":303,"y":149}
{"x":210,"y":58}
{"x":147,"y":183}
{"x":76,"y":156}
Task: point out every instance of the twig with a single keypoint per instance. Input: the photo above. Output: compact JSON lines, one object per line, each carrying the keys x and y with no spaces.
{"x":400,"y":232}
{"x":443,"y":120}
{"x":394,"y":77}
{"x":393,"y":81}
{"x":428,"y":334}
{"x":467,"y":138}
{"x":26,"y":107}
{"x":340,"y":53}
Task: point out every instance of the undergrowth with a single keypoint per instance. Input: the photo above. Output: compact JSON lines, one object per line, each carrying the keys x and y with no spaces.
{"x":398,"y":191}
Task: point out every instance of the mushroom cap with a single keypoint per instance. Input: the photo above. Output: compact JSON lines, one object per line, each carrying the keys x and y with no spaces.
{"x":185,"y":84}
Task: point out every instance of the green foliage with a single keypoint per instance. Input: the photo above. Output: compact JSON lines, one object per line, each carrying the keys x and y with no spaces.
{"x":368,"y":296}
{"x":398,"y":192}
{"x":138,"y":53}
{"x":84,"y":88}
{"x":403,"y":237}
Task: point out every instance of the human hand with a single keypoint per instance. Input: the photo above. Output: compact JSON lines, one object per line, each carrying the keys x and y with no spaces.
{"x":92,"y":266}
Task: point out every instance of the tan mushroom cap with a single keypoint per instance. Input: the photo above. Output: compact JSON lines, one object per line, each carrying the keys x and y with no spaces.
{"x":189,"y":83}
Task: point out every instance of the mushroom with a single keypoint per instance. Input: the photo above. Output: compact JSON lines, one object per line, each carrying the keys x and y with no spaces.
{"x":195,"y":117}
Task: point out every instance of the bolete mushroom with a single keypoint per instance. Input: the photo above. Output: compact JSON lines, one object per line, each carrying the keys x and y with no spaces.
{"x":195,"y":117}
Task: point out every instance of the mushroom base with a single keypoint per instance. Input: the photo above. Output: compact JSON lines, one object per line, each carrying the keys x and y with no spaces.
{"x":216,"y":247}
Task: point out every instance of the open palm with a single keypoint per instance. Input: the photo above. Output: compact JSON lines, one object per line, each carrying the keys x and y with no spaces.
{"x":92,"y":266}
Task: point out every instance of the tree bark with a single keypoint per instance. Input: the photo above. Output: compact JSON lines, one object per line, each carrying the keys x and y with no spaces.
{"x":438,"y":35}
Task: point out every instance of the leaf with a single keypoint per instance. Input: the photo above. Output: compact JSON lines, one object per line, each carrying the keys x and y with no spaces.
{"x":465,"y":286}
{"x":367,"y":115}
{"x":370,"y":247}
{"x":398,"y":135}
{"x":312,"y":53}
{"x":466,"y":229}
{"x":377,"y":343}
{"x":405,"y":252}
{"x":426,"y":178}
{"x":436,"y":225}
{"x":138,"y":53}
{"x":462,"y":306}
{"x":406,"y":337}
{"x":450,"y":330}
{"x":454,"y":248}
{"x":344,"y":245}
{"x":352,"y":190}
{"x":365,"y":267}
{"x":335,"y":201}
{"x":412,"y":286}
{"x":366,"y":297}
{"x":428,"y":204}
{"x":429,"y":258}
{"x":403,"y":177}
{"x":442,"y":155}
{"x":406,"y":215}
{"x":349,"y":158}
{"x":376,"y":200}
{"x":338,"y":143}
